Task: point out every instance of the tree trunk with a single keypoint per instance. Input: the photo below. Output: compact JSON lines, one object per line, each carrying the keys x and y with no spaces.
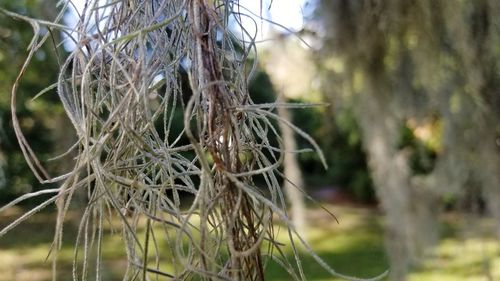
{"x":390,"y":175}
{"x":293,"y":183}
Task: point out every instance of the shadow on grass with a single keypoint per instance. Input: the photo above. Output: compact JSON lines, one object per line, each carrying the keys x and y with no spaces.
{"x":354,"y":249}
{"x":39,"y":229}
{"x":357,"y":261}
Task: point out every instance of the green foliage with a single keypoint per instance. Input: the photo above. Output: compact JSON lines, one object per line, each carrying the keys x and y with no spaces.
{"x":261,"y":88}
{"x":422,"y":155}
{"x":342,"y":147}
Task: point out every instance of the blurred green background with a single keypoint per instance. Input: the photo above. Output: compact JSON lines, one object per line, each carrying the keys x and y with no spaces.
{"x":413,"y":100}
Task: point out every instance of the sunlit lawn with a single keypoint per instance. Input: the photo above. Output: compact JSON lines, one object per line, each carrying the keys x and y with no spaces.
{"x":353,"y":247}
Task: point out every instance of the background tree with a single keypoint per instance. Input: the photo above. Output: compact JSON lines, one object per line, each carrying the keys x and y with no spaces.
{"x":411,"y":70}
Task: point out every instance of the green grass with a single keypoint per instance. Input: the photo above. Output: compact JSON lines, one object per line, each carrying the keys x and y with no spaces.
{"x":353,"y":247}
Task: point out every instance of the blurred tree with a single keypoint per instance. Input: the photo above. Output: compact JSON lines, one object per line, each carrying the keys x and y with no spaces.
{"x":339,"y":140}
{"x":293,"y":182}
{"x":420,"y":78}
